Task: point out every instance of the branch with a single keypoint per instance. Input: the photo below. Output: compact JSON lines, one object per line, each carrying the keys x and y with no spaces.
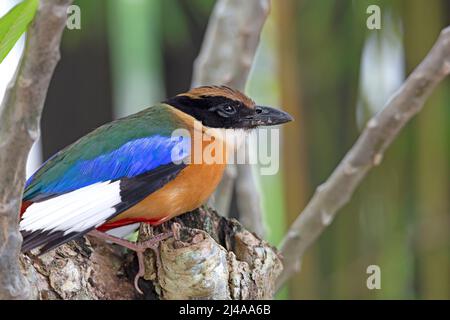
{"x":20,"y":114}
{"x":248,"y":198}
{"x":367,"y":152}
{"x":79,"y":270}
{"x":230,"y":43}
{"x":226,"y":57}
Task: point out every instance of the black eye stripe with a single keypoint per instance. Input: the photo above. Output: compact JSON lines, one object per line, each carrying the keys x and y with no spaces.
{"x":212,"y":111}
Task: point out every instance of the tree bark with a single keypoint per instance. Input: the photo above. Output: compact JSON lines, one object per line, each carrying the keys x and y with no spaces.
{"x":210,"y":257}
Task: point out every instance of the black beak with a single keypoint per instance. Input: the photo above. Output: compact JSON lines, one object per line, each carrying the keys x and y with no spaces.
{"x":267,"y":116}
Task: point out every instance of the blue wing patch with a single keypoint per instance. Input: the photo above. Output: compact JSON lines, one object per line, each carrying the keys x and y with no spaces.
{"x":131,"y":159}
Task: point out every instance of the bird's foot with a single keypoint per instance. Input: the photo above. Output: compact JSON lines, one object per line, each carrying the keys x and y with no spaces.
{"x":139,"y":248}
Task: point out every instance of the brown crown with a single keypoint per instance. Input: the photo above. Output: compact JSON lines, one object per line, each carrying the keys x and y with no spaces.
{"x":219,"y":91}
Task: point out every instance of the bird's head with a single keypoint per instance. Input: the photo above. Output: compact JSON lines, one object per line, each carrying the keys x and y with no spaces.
{"x":226,"y":108}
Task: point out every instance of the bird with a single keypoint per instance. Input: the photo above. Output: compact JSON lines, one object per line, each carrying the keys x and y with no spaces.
{"x":134,"y":170}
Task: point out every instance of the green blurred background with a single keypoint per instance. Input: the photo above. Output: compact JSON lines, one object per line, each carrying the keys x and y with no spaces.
{"x":319,"y":61}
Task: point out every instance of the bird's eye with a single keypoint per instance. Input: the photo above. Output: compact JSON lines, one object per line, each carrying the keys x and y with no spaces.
{"x":229,"y":109}
{"x":224,"y":110}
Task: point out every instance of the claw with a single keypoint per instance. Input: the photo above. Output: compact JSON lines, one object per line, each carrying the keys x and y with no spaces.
{"x":141,"y":272}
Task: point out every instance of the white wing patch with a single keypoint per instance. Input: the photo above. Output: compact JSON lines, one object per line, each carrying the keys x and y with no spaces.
{"x":75,"y":211}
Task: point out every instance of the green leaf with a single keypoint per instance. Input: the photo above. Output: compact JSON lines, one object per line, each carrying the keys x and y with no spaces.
{"x":14,"y":24}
